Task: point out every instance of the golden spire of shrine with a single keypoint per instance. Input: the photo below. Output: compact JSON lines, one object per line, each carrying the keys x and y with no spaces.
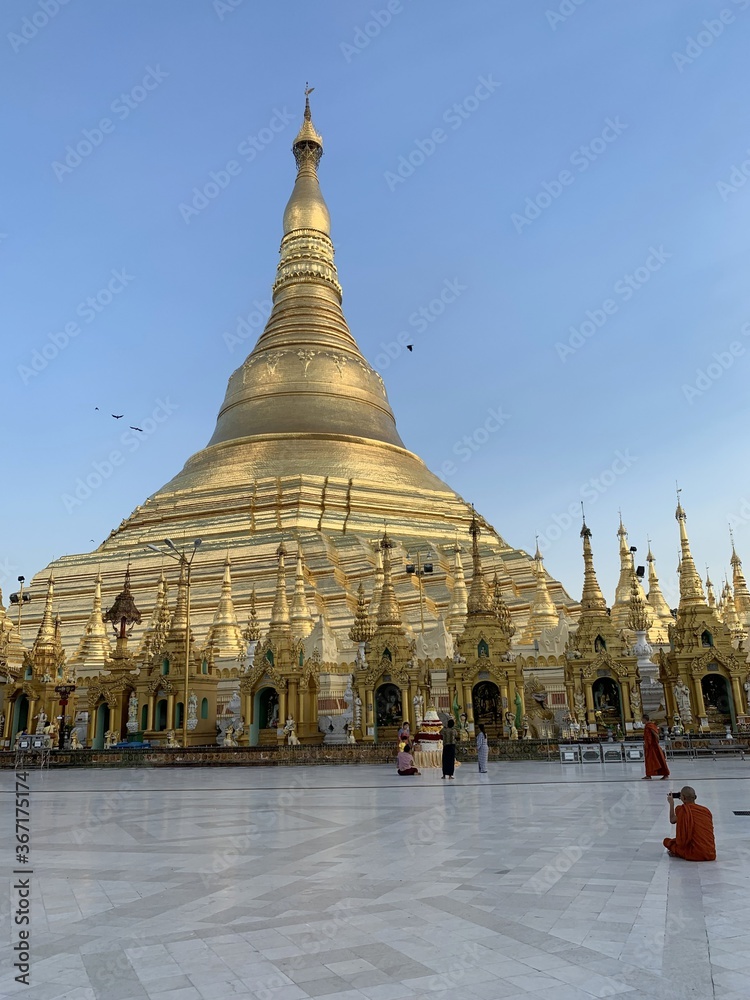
{"x":302,"y":621}
{"x":362,"y":629}
{"x":224,"y":634}
{"x":479,"y":598}
{"x":94,"y":647}
{"x":500,"y":608}
{"x":159,"y":625}
{"x":280,"y":609}
{"x":710,"y":595}
{"x":251,"y":632}
{"x":459,"y":600}
{"x":691,"y":589}
{"x":592,"y":598}
{"x":377,"y":587}
{"x":389,"y":612}
{"x":543,"y":612}
{"x":45,"y":638}
{"x":662,"y":616}
{"x":639,"y":619}
{"x":741,"y":592}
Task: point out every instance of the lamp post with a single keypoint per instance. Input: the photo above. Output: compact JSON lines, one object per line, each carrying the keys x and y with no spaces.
{"x":64,"y":690}
{"x":418,"y":569}
{"x":187,"y":562}
{"x":20,"y":598}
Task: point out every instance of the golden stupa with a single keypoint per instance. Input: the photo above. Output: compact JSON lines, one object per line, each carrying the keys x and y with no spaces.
{"x":305,"y":451}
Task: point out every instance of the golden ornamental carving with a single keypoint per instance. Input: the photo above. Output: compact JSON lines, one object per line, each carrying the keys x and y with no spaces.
{"x":160,"y":683}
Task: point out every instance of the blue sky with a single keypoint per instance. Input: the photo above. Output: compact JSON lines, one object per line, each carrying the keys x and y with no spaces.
{"x":573,"y":178}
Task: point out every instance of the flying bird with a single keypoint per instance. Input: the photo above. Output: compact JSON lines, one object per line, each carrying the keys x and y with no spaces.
{"x":410,"y":347}
{"x":118,"y":416}
{"x":136,"y":429}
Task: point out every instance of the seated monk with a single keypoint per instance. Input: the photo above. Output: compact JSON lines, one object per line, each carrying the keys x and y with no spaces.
{"x":695,"y":829}
{"x":656,"y":761}
{"x":406,"y":761}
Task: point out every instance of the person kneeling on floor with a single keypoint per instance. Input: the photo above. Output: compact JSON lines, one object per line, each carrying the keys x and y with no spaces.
{"x":695,"y":828}
{"x":406,"y":761}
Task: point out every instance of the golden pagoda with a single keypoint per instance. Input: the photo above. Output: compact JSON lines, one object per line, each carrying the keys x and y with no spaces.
{"x":305,"y":452}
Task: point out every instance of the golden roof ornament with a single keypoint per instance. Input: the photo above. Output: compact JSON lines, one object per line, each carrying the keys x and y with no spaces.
{"x":45,"y":638}
{"x":741,"y":592}
{"x":124,"y":614}
{"x":280,"y":609}
{"x":179,"y":624}
{"x":158,"y":627}
{"x":302,"y":620}
{"x":500,"y":608}
{"x":479,"y":599}
{"x":710,"y":595}
{"x":691,"y":589}
{"x":389,"y":612}
{"x":94,"y":646}
{"x":251,"y":632}
{"x":308,"y":146}
{"x":224,"y":635}
{"x":639,"y":620}
{"x":592,"y":598}
{"x":543,"y":614}
{"x":362,"y":630}
{"x":459,"y":605}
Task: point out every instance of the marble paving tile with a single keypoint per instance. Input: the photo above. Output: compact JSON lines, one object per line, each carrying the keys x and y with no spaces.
{"x":356,"y":888}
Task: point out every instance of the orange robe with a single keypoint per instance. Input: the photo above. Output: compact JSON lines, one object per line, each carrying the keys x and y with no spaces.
{"x":695,"y":834}
{"x":656,"y":762}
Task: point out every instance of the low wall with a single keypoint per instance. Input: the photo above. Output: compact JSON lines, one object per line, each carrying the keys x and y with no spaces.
{"x":213,"y":756}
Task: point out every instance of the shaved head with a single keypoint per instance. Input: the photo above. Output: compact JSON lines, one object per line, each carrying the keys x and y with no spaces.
{"x":688,"y":794}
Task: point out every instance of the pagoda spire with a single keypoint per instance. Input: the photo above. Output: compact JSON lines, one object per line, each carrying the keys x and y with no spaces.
{"x":302,"y":621}
{"x":691,"y":589}
{"x":362,"y":629}
{"x":377,"y":588}
{"x":389,"y":613}
{"x":459,"y":600}
{"x":224,"y":634}
{"x":94,"y":648}
{"x":500,"y":609}
{"x":158,"y":627}
{"x":543,"y":611}
{"x":627,"y":581}
{"x":280,"y":610}
{"x":251,"y":632}
{"x":45,"y":638}
{"x":592,"y":598}
{"x":741,"y":592}
{"x":662,"y":616}
{"x":321,"y":382}
{"x":710,"y":595}
{"x":730,"y":617}
{"x":479,"y":601}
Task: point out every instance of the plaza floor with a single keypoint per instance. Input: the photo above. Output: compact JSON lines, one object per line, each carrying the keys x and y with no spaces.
{"x":539,"y":881}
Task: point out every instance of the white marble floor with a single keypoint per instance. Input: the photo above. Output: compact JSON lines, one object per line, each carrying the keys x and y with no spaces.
{"x":536,"y":881}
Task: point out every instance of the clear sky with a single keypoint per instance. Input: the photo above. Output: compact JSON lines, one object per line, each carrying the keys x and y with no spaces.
{"x":573,"y":183}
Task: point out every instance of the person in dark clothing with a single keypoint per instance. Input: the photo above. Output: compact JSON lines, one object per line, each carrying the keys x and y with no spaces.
{"x":448,"y":736}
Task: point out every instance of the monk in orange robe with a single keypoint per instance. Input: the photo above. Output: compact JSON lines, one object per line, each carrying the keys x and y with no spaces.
{"x":695,"y":829}
{"x":656,"y":762}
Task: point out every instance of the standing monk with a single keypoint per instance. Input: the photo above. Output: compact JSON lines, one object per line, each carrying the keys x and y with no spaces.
{"x":656,"y":762}
{"x":695,"y":829}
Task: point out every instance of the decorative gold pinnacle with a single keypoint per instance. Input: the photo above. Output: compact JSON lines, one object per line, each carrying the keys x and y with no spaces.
{"x":389,"y":612}
{"x":363,"y":628}
{"x":592,"y":598}
{"x":479,"y":599}
{"x":280,"y":609}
